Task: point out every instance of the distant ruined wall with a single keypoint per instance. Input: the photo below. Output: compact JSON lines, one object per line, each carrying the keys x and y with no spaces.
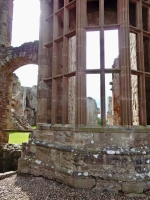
{"x":24,"y":106}
{"x":134,"y":79}
{"x":92,"y":111}
{"x":113,"y":114}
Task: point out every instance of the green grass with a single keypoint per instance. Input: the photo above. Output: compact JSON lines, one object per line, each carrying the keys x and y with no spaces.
{"x":34,"y":127}
{"x":18,"y":137}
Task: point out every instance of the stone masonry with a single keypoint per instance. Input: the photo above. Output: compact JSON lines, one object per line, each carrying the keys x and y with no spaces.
{"x":64,"y":147}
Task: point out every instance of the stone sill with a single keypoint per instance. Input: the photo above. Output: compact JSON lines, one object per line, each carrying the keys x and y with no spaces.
{"x":94,"y":128}
{"x":16,"y":130}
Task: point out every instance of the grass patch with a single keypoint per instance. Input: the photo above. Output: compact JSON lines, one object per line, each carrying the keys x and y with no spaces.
{"x":18,"y":137}
{"x":34,"y":127}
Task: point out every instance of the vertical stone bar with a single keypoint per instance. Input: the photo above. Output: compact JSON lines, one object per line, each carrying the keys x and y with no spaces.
{"x":43,"y":62}
{"x":66,"y":18}
{"x":54,"y":101}
{"x":102,"y":63}
{"x":55,"y":64}
{"x":65,"y":101}
{"x":81,"y":63}
{"x":124,"y":59}
{"x":148,"y":28}
{"x":65,"y":66}
{"x":6,"y":15}
{"x":140,"y":66}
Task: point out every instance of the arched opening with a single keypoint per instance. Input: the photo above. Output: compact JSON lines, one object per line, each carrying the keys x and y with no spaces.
{"x":24,"y":79}
{"x":24,"y":98}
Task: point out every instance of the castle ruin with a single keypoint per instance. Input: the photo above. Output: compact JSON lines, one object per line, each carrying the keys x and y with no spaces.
{"x":65,"y":147}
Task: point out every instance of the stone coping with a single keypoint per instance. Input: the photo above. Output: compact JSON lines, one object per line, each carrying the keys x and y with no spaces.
{"x":94,"y":128}
{"x":7,"y":174}
{"x":109,"y":150}
{"x":16,"y":130}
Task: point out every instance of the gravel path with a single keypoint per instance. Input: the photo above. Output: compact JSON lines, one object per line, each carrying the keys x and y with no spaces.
{"x":25,"y":187}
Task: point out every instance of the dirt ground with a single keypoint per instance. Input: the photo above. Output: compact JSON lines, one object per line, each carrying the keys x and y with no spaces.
{"x":28,"y":187}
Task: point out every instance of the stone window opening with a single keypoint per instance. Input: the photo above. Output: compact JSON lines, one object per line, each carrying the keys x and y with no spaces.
{"x":99,"y":16}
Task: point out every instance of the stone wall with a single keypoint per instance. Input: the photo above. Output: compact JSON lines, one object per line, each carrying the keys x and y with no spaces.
{"x":107,"y":159}
{"x":5,"y":106}
{"x":9,"y":155}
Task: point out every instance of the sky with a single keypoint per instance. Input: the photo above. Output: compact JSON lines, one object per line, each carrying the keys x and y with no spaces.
{"x":25,"y":29}
{"x":93,"y":61}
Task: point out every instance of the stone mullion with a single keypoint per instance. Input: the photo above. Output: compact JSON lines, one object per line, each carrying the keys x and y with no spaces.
{"x":56,"y":2}
{"x":43,"y":62}
{"x":148,"y":28}
{"x":124,"y":55}
{"x":54,"y":101}
{"x":140,"y":66}
{"x":65,"y":101}
{"x":102,"y":64}
{"x":80,"y":118}
{"x":54,"y":87}
{"x":65,"y":67}
{"x":54,"y":65}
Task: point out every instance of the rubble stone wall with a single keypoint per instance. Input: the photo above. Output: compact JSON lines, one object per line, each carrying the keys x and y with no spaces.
{"x":9,"y":155}
{"x":115,"y":160}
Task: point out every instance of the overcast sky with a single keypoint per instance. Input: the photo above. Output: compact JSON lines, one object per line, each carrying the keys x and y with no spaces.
{"x":26,"y":29}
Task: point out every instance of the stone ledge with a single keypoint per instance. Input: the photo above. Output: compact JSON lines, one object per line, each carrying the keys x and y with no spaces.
{"x":7,"y":174}
{"x":108,"y":150}
{"x":94,"y":128}
{"x":17,"y":130}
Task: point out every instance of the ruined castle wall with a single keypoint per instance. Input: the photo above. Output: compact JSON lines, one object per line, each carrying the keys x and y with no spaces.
{"x":114,"y":114}
{"x":9,"y":155}
{"x":10,"y":60}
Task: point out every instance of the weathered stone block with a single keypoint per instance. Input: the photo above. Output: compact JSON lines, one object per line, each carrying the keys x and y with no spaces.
{"x":108,"y":185}
{"x":23,"y":166}
{"x":132,"y":187}
{"x":81,"y":182}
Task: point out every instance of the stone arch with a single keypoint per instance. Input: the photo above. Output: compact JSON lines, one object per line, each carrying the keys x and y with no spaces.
{"x":12,"y":58}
